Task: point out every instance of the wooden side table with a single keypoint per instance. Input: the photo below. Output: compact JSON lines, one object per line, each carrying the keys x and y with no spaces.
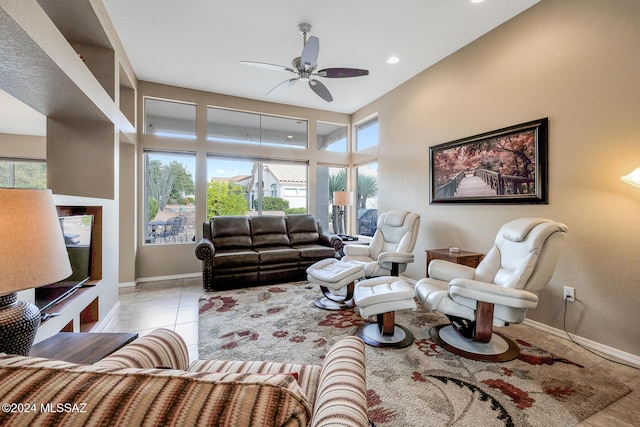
{"x":84,"y":348}
{"x":471,"y":259}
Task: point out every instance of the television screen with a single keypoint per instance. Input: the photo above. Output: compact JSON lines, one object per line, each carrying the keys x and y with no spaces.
{"x":76,"y":230}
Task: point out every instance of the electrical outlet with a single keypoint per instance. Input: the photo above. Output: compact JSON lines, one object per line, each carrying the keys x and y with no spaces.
{"x":569,"y":294}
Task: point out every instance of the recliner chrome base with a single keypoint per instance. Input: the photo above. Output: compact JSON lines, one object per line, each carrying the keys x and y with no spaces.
{"x":331,"y":301}
{"x":499,"y":349}
{"x":385,"y":332}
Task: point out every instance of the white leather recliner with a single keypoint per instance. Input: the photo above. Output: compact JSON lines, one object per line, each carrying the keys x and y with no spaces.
{"x":391,"y":248}
{"x":498,"y":292}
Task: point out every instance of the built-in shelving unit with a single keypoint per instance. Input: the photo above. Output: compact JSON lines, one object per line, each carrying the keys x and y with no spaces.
{"x":63,"y":59}
{"x":80,"y":312}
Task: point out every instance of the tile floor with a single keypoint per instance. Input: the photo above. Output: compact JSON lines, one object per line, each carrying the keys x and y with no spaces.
{"x":173,"y":304}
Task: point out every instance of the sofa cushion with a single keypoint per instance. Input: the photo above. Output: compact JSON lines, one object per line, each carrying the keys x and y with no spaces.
{"x":308,"y":375}
{"x":235,"y":258}
{"x":277,"y":255}
{"x":315,"y":252}
{"x":268,"y":230}
{"x":230,"y":232}
{"x":149,"y":396}
{"x":302,"y":229}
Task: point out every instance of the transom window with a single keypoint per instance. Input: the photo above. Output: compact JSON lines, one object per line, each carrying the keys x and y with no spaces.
{"x":169,"y":118}
{"x":239,"y":127}
{"x":367,"y":134}
{"x":331,"y":137}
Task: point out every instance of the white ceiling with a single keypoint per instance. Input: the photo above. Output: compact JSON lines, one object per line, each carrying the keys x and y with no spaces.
{"x":18,"y":118}
{"x":199,"y":44}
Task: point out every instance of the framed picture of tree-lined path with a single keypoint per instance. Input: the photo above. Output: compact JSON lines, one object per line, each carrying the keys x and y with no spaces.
{"x":504,"y":166}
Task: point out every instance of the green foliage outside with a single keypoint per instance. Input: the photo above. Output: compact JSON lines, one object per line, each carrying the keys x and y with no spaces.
{"x":274,"y":204}
{"x":183,"y":186}
{"x":292,"y":211}
{"x":226,"y":198}
{"x":23,"y":174}
{"x":367,"y":187}
{"x":337,"y":182}
{"x":169,"y":183}
{"x":152,"y":208}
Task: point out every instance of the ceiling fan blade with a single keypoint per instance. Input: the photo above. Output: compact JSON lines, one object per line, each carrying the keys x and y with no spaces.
{"x":339,"y":73}
{"x":310,"y":52}
{"x":284,"y":84}
{"x":267,"y":66}
{"x":321,"y":90}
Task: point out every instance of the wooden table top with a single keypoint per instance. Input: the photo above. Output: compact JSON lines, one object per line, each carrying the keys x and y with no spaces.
{"x":83,"y":348}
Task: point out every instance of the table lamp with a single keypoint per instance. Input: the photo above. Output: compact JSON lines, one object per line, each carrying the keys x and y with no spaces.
{"x":32,"y":254}
{"x":342,"y":199}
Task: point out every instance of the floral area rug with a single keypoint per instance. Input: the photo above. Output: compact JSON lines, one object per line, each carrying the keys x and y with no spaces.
{"x":421,"y":385}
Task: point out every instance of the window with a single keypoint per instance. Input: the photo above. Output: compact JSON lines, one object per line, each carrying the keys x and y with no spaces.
{"x":329,"y":179}
{"x":254,"y":186}
{"x":367,"y":198}
{"x":23,"y":173}
{"x":170,"y":118}
{"x":169,"y":191}
{"x":240,"y":127}
{"x":331,"y":137}
{"x":367,"y":134}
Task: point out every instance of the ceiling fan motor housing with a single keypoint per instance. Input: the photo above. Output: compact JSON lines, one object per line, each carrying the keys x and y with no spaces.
{"x":304,"y":28}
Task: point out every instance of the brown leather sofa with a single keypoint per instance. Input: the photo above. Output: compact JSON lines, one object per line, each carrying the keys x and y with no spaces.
{"x":239,"y":251}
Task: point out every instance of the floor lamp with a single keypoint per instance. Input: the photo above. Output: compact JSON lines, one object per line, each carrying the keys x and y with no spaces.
{"x":342,"y":199}
{"x":633,"y":178}
{"x":32,"y":254}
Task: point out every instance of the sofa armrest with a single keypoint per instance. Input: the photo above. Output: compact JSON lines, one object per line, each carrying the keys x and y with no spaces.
{"x":342,"y":392}
{"x":336,"y":242}
{"x":205,"y":250}
{"x":160,"y":348}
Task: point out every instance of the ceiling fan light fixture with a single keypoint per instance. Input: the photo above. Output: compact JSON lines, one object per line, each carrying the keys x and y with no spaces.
{"x":305,"y":65}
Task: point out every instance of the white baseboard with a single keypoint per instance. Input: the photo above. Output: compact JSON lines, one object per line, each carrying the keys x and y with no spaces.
{"x":592,"y":345}
{"x":176,"y":276}
{"x":126,"y":284}
{"x":101,"y":325}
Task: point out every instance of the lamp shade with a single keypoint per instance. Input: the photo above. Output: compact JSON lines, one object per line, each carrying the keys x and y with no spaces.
{"x":633,"y":178}
{"x":342,"y":198}
{"x":32,"y":249}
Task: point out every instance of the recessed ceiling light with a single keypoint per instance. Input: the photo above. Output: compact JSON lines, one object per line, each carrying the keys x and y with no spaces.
{"x":477,"y":1}
{"x":393,"y":60}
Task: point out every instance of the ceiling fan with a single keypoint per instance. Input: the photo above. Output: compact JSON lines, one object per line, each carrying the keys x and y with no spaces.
{"x":305,"y":67}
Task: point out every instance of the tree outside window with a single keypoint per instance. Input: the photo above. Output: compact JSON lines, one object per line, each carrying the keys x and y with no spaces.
{"x":170,"y":195}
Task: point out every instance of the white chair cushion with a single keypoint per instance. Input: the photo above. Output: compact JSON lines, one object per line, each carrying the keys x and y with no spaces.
{"x":391,"y":289}
{"x":334,"y":274}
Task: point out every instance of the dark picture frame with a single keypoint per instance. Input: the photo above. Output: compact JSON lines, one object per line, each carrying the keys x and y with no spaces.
{"x":505,"y":166}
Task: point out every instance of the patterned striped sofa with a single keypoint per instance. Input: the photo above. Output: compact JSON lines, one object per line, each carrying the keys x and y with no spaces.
{"x":150,"y":382}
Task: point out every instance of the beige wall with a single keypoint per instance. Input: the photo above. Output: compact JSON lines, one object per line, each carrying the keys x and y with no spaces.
{"x":23,"y":146}
{"x":576,"y":62}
